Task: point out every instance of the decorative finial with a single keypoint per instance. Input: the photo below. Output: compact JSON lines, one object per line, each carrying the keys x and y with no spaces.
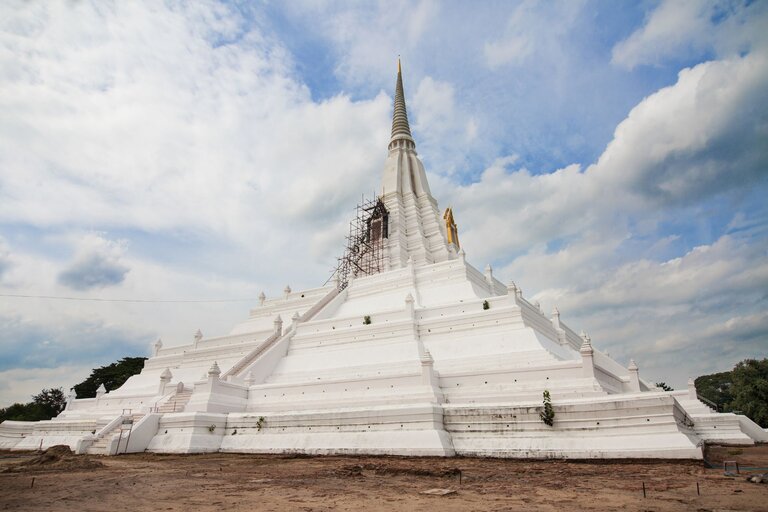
{"x":198,"y":335}
{"x":166,"y":375}
{"x":555,"y":312}
{"x":632,"y":366}
{"x":214,"y":371}
{"x":262,"y":298}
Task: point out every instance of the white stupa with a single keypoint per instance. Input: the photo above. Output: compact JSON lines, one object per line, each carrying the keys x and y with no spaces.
{"x":410,"y":351}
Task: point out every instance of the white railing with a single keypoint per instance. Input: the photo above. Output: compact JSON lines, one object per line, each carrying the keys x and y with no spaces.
{"x":255,"y":353}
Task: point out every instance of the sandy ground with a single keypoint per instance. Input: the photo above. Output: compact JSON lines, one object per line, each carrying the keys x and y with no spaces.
{"x":215,"y":482}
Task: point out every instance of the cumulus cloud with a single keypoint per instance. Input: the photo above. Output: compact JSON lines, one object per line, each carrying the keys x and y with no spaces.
{"x":96,"y":265}
{"x":695,"y":139}
{"x":680,"y":29}
{"x":700,"y":136}
{"x":175,"y":118}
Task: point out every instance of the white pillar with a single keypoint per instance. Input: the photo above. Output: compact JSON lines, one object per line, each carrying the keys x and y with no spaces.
{"x":214,"y":372}
{"x":512,"y":292}
{"x":286,"y":291}
{"x":587,"y":361}
{"x":262,"y":298}
{"x":428,"y":376}
{"x":634,"y":376}
{"x":489,"y":277}
{"x":71,"y":397}
{"x":158,"y":346}
{"x":198,"y":337}
{"x":165,"y":378}
{"x":561,"y":336}
{"x":692,"y":394}
{"x":278,"y":325}
{"x":101,"y":391}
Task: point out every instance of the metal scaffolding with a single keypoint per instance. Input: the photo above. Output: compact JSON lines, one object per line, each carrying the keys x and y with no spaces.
{"x":364,"y":253}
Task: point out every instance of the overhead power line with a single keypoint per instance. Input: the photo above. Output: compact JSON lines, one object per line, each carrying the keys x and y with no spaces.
{"x":97,"y":299}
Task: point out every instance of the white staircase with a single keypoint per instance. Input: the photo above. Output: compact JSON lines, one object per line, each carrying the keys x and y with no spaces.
{"x":175,"y":403}
{"x":100,"y":445}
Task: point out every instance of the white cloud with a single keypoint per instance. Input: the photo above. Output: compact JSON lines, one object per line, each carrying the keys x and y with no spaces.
{"x":447,"y":130}
{"x":532,"y":28}
{"x":695,"y":139}
{"x":680,"y":29}
{"x":20,"y":384}
{"x":370,"y":36}
{"x":97,"y":264}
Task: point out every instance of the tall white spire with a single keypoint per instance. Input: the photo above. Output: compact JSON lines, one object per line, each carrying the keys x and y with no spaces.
{"x":416,"y":229}
{"x":401,"y":130}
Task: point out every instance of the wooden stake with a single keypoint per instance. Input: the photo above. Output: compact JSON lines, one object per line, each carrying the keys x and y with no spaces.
{"x":644,"y":490}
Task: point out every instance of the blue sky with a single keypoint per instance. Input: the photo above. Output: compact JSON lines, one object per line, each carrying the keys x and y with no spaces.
{"x":609,"y":157}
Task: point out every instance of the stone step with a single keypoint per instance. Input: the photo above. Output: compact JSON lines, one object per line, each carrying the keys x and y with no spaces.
{"x":175,"y":403}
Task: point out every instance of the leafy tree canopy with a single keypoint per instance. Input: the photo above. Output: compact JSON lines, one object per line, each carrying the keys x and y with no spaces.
{"x":44,"y":406}
{"x":743,"y":389}
{"x":112,"y":376}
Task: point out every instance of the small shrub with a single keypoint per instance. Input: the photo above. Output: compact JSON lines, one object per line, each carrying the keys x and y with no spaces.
{"x":548,"y":414}
{"x":486,"y":305}
{"x":260,"y":423}
{"x":211,"y":428}
{"x":367,"y":320}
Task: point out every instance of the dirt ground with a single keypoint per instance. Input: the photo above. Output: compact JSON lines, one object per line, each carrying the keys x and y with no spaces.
{"x":214,"y":482}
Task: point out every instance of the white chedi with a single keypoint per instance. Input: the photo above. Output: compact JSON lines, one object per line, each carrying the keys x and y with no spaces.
{"x":425,"y":356}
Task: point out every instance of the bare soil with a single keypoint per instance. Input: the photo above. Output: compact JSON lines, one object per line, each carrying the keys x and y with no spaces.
{"x":60,"y":481}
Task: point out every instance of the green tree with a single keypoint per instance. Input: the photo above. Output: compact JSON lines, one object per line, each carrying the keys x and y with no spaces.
{"x":51,"y":401}
{"x":44,"y":406}
{"x":716,"y":387}
{"x":750,"y":390}
{"x":112,"y":376}
{"x":743,"y":389}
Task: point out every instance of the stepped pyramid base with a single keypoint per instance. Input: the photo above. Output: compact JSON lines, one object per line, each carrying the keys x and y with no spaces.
{"x":430,"y":357}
